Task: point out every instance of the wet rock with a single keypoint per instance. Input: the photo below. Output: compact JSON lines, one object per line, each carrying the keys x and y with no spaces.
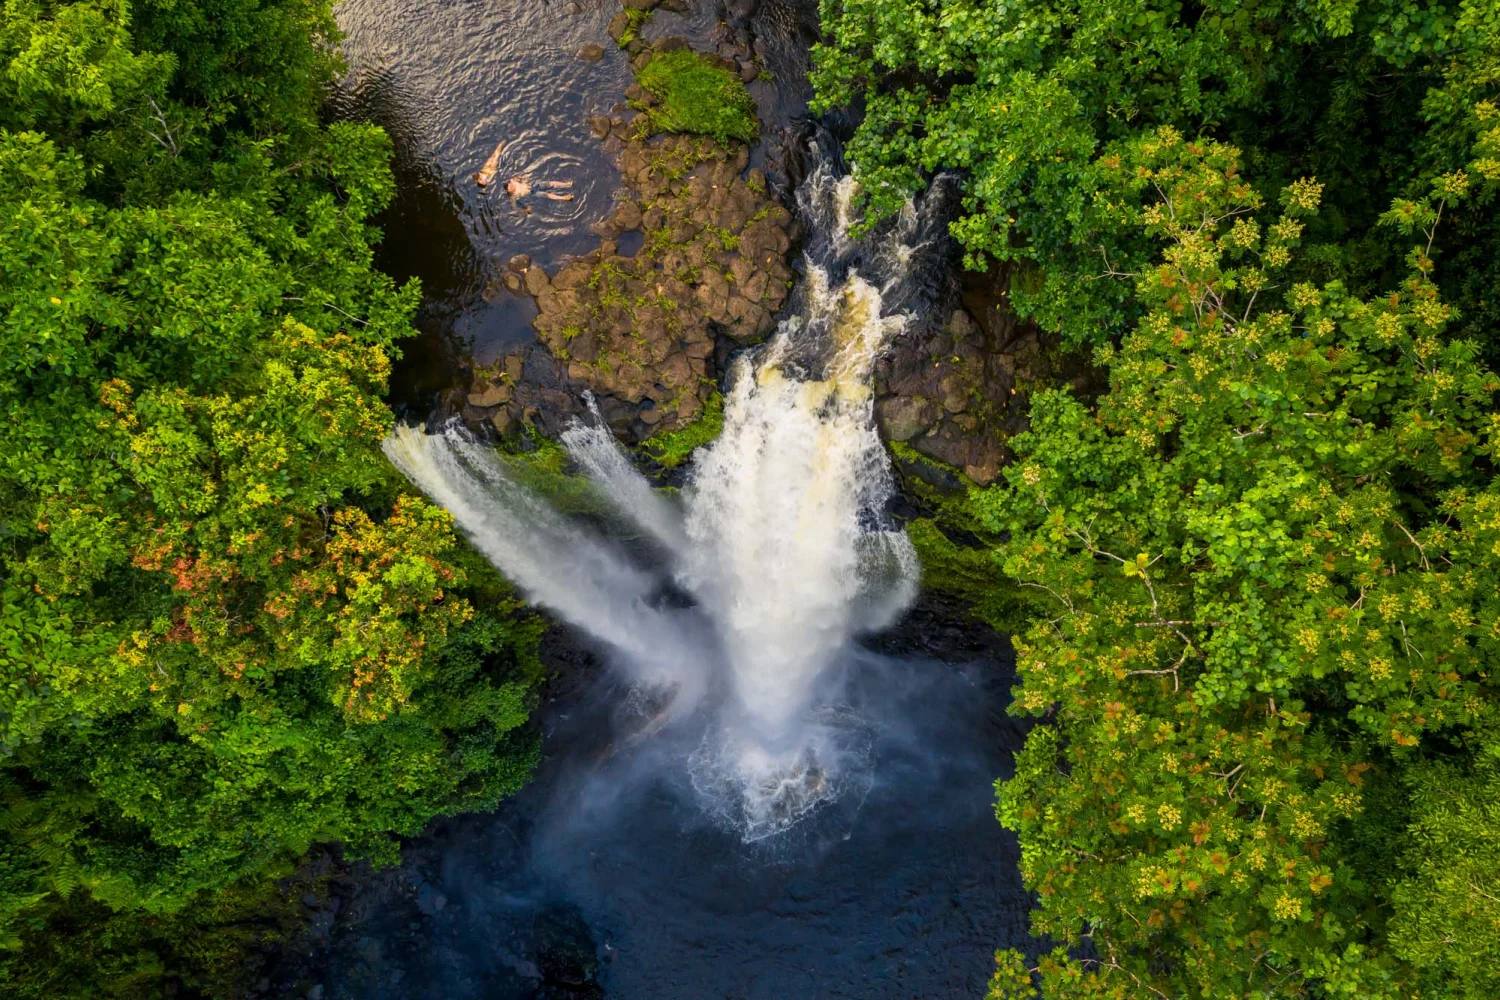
{"x":640,"y":4}
{"x":739,"y":12}
{"x":430,"y":901}
{"x":591,"y":52}
{"x":489,"y":394}
{"x":536,"y":280}
{"x":626,"y":217}
{"x":902,"y":418}
{"x":572,"y":276}
{"x":519,"y":263}
{"x":599,"y":126}
{"x":639,"y":331}
{"x":618,"y":26}
{"x":952,"y":393}
{"x":671,"y":43}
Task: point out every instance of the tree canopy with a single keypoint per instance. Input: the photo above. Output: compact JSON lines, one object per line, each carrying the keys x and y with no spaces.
{"x":1029,"y":97}
{"x":1257,"y":575}
{"x":1268,"y":558}
{"x":227,"y":633}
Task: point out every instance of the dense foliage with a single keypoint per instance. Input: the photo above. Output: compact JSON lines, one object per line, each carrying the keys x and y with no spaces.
{"x":1263,"y":564}
{"x":1269,"y":555}
{"x":226,"y":634}
{"x":1373,"y":98}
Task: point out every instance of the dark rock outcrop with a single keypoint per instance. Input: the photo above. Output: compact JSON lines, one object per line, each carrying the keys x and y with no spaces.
{"x":959,"y":393}
{"x":639,"y":332}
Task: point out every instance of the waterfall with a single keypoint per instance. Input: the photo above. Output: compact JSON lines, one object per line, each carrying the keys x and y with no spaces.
{"x":780,"y":538}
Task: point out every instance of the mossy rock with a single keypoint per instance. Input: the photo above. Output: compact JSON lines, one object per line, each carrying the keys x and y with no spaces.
{"x":695,"y":94}
{"x":671,"y":448}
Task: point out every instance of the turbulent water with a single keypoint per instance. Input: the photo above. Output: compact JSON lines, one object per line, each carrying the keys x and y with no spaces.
{"x":780,"y":540}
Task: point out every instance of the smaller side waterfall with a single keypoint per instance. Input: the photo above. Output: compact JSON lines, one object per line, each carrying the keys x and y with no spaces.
{"x":781,"y":538}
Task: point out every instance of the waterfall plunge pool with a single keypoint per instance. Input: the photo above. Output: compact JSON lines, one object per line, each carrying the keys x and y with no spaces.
{"x":612,"y":874}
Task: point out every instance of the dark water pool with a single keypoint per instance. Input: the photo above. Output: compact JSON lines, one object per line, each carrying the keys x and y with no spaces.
{"x":607,"y":878}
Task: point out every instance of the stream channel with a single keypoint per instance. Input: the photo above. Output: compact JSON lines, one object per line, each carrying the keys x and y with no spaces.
{"x":611,"y":875}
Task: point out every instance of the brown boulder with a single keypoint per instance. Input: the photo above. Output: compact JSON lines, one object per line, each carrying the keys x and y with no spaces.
{"x":902,"y":418}
{"x":536,"y":280}
{"x":505,"y":422}
{"x":627,"y":216}
{"x":575,"y":275}
{"x":491,"y":394}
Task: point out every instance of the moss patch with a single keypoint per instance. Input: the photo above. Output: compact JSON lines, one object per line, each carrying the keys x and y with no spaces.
{"x":673,"y":448}
{"x":698,"y":96}
{"x":635,"y":20}
{"x":547,"y":470}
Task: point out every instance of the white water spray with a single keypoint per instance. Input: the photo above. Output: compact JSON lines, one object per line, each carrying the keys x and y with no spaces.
{"x":780,"y":538}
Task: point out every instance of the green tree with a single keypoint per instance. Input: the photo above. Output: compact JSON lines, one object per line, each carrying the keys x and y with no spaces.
{"x":1028,"y":98}
{"x":226,"y":634}
{"x":1265,"y":619}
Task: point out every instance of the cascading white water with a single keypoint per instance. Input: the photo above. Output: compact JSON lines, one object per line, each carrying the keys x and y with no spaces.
{"x":780,"y":537}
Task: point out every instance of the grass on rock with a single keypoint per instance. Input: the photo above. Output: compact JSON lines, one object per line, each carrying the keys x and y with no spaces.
{"x":672,"y":448}
{"x":698,"y":96}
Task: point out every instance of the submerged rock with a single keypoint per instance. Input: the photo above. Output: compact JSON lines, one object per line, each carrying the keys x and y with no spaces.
{"x":565,"y":955}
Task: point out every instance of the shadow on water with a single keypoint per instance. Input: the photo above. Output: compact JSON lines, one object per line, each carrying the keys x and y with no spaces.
{"x":604,"y":878}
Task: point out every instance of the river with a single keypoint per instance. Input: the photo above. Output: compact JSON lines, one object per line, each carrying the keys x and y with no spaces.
{"x":631,"y":867}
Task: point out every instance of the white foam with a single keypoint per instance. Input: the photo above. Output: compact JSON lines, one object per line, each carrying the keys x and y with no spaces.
{"x":780,"y":538}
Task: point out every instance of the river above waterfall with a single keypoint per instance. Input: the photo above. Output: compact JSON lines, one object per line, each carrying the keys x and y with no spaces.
{"x":449,"y":81}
